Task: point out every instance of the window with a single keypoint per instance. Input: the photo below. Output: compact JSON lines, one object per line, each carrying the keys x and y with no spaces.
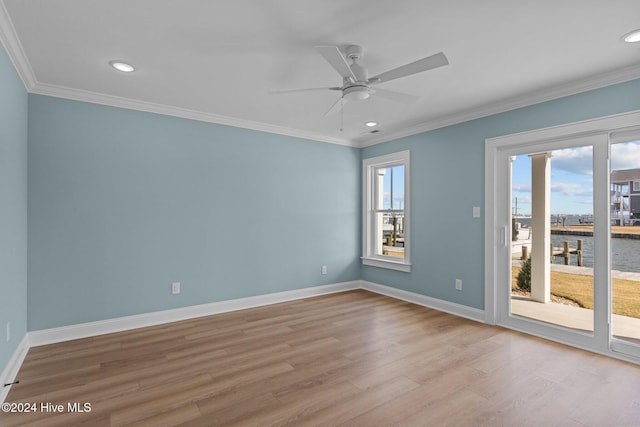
{"x":386,"y":212}
{"x":636,"y":185}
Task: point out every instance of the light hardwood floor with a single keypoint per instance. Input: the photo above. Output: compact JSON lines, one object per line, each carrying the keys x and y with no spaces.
{"x":354,"y":358}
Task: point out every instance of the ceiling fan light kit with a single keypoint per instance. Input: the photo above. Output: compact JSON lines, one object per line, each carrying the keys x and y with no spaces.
{"x":356,"y":93}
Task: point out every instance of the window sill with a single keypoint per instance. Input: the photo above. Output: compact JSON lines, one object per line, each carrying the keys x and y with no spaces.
{"x":389,"y":264}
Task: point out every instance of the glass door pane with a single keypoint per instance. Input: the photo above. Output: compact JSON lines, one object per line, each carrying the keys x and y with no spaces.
{"x":552,"y":221}
{"x":625,"y":241}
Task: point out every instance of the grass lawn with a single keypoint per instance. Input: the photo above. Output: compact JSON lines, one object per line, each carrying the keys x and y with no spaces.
{"x":579,"y":288}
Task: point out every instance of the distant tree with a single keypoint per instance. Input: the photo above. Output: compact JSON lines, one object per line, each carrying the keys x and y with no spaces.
{"x":524,"y":276}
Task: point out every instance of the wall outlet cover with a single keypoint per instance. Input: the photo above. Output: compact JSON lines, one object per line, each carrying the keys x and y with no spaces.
{"x":175,"y":288}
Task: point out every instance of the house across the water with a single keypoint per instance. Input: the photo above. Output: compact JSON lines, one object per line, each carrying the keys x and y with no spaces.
{"x":625,"y":197}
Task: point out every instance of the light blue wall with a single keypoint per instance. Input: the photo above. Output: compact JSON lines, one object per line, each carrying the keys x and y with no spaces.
{"x":447,"y":179}
{"x":13,"y":208}
{"x":122,"y":203}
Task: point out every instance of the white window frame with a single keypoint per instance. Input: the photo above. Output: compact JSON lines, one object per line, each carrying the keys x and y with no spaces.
{"x":636,"y":185}
{"x":369,"y":189}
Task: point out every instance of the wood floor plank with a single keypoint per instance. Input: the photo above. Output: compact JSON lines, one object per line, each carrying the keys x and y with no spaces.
{"x":463,"y":406}
{"x":353,"y":359}
{"x":361,"y":402}
{"x":308,"y":401}
{"x":168,"y":418}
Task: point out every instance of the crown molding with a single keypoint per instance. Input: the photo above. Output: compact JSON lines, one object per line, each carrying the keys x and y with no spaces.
{"x":167,"y":110}
{"x":532,"y":98}
{"x":14,"y":49}
{"x":12,"y":45}
{"x":572,"y":88}
{"x":590,"y":83}
{"x":17,"y":55}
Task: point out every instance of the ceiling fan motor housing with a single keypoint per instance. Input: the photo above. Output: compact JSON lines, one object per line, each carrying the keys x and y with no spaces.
{"x":355,"y":52}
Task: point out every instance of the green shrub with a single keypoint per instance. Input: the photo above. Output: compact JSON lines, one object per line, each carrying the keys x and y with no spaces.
{"x":524,"y":276}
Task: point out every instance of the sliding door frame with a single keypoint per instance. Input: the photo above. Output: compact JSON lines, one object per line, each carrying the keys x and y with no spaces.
{"x":597,"y":133}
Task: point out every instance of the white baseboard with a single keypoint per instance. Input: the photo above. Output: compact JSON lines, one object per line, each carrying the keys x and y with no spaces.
{"x":425,"y":301}
{"x":11,"y":370}
{"x":90,"y":329}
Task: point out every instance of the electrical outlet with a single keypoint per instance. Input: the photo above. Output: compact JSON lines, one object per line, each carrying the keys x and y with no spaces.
{"x":458,"y":284}
{"x":8,"y":331}
{"x":175,"y":288}
{"x":324,"y":269}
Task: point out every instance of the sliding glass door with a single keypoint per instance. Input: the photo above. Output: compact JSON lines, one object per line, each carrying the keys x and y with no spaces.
{"x":564,"y":235}
{"x":552,"y":262}
{"x":552,"y":219}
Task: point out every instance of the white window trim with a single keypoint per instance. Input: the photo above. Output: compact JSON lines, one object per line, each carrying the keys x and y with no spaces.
{"x":368,"y":187}
{"x":636,"y":185}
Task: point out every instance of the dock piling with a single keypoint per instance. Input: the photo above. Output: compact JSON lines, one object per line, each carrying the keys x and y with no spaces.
{"x":565,"y":252}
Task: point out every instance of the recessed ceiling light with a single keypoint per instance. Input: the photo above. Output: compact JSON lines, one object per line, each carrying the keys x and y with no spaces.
{"x":371,"y":124}
{"x":632,"y":37}
{"x":122,"y":66}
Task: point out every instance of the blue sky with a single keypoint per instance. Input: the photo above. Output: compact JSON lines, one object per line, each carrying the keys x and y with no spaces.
{"x":398,"y":188}
{"x":571,"y":177}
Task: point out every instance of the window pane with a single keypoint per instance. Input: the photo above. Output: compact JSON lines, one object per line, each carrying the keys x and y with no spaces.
{"x":552,"y":237}
{"x":390,"y":187}
{"x":624,"y":207}
{"x":390,"y":234}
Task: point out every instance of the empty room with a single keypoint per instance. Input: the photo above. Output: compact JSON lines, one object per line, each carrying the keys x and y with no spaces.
{"x":287,"y":212}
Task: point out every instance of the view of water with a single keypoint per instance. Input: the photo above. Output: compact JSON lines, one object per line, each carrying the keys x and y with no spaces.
{"x":624,"y":252}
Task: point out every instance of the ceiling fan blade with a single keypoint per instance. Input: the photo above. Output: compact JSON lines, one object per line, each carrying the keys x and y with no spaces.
{"x":336,"y":107}
{"x":424,"y":64}
{"x":403,"y":98}
{"x":339,"y":63}
{"x":312,"y":89}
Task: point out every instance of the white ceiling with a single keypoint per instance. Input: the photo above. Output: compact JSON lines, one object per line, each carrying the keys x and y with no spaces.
{"x":217,"y":60}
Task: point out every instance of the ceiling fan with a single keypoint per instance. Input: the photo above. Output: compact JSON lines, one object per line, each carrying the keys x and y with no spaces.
{"x":356,"y":83}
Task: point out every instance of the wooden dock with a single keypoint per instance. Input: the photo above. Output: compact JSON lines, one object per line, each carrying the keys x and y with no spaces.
{"x":564,"y":252}
{"x":617,"y":232}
